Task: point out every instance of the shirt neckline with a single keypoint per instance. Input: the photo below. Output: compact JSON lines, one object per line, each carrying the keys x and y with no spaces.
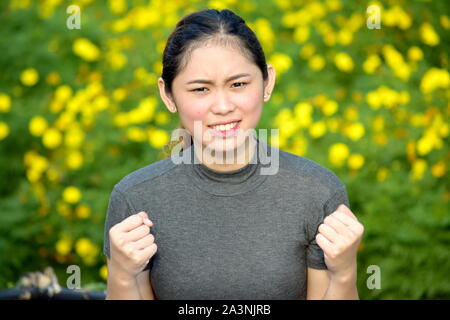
{"x":228,"y":183}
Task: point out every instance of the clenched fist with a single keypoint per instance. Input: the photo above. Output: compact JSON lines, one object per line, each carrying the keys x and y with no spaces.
{"x":339,"y":237}
{"x":132,"y":245}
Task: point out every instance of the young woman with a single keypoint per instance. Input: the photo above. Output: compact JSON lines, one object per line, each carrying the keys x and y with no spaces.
{"x":210,"y":229}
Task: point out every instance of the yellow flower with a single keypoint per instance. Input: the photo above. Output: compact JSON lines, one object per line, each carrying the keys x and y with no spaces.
{"x":333,"y":5}
{"x":282,"y":116}
{"x":87,"y":250}
{"x":316,"y":62}
{"x":330,"y":107}
{"x":351,"y":113}
{"x":343,"y":62}
{"x":53,"y":175}
{"x":303,"y":114}
{"x":100,"y":103}
{"x":397,"y":17}
{"x":378,"y":123}
{"x":281,"y":62}
{"x":63,"y":208}
{"x":63,"y":93}
{"x":427,"y":142}
{"x":380,"y":139}
{"x":392,"y":56}
{"x":307,"y":51}
{"x":320,"y":99}
{"x":404,"y":97}
{"x":5,"y":102}
{"x":74,"y":159}
{"x":144,"y":17}
{"x":37,"y":126}
{"x":52,"y":138}
{"x":144,"y":112}
{"x":136,"y":134}
{"x":415,"y":54}
{"x":299,"y":146}
{"x":277,"y":140}
{"x":439,"y":169}
{"x":119,"y":94}
{"x":63,"y":246}
{"x":104,"y":272}
{"x":83,"y":211}
{"x":428,"y":35}
{"x":85,"y":49}
{"x":445,"y":22}
{"x":354,"y":131}
{"x":402,"y":71}
{"x":434,"y":79}
{"x":404,"y":21}
{"x":4,"y":130}
{"x":333,"y":124}
{"x":301,"y":34}
{"x":121,"y":119}
{"x":329,"y":38}
{"x":117,"y":6}
{"x":116,"y":59}
{"x":345,"y":37}
{"x":158,"y":138}
{"x":382,"y":174}
{"x":372,"y":63}
{"x":355,"y":161}
{"x":338,"y":153}
{"x":162,"y":118}
{"x":72,"y":195}
{"x":53,"y":78}
{"x":29,"y":77}
{"x":264,"y":32}
{"x":74,"y":137}
{"x":64,"y":120}
{"x":418,"y":169}
{"x":373,"y":99}
{"x":317,"y":129}
{"x":121,"y":25}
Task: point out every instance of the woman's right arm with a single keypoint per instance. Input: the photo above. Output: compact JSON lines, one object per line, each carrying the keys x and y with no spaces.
{"x":121,"y":287}
{"x":131,"y":247}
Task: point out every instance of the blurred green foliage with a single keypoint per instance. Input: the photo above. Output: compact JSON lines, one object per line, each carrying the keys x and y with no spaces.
{"x":80,"y":109}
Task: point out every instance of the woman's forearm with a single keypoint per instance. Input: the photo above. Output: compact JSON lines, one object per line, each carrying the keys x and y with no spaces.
{"x":342,"y":288}
{"x":121,"y":287}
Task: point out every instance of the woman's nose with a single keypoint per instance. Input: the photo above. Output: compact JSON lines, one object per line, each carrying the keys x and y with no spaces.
{"x":222,"y":103}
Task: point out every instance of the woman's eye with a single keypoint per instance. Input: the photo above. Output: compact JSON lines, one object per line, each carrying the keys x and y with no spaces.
{"x":242,"y":84}
{"x":198,"y":89}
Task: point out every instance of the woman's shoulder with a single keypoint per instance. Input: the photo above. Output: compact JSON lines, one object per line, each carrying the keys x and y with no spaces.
{"x":301,"y":167}
{"x":145,"y":174}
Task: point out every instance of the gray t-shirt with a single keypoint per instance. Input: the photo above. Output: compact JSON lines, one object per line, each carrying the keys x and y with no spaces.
{"x":230,"y":235}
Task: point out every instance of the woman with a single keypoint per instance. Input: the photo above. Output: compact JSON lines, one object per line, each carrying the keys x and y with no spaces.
{"x":211,"y":229}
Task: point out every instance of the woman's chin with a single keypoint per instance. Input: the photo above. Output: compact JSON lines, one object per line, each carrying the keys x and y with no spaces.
{"x":226,"y":144}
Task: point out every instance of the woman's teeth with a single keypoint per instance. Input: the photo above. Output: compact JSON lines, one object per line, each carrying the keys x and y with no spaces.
{"x":225,"y":127}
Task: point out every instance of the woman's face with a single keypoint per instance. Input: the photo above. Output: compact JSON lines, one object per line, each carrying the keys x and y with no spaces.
{"x":219,"y":85}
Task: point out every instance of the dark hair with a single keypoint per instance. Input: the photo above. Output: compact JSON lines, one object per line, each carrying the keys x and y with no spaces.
{"x":193,"y":30}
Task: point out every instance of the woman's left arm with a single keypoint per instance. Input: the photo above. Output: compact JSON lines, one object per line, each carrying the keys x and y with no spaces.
{"x":339,"y":237}
{"x":321,"y":287}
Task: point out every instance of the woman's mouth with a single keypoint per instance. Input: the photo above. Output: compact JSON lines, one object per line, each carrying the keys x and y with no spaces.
{"x":226,"y":130}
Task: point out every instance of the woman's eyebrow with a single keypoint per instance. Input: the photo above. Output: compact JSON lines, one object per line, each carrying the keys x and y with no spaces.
{"x":236,"y":76}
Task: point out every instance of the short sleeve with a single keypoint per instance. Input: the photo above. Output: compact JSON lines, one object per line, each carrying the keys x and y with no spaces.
{"x":314,"y":254}
{"x":118,"y":210}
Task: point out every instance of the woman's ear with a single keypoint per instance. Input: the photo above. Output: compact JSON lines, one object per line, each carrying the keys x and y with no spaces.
{"x":167,"y":98}
{"x":269,"y":83}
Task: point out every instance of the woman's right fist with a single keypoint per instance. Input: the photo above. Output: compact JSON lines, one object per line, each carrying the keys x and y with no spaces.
{"x":132,"y":245}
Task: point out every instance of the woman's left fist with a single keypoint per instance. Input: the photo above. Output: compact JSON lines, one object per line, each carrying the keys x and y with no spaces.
{"x":339,"y":237}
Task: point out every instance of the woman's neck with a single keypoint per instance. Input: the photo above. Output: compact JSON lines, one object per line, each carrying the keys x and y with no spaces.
{"x":228,"y":161}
